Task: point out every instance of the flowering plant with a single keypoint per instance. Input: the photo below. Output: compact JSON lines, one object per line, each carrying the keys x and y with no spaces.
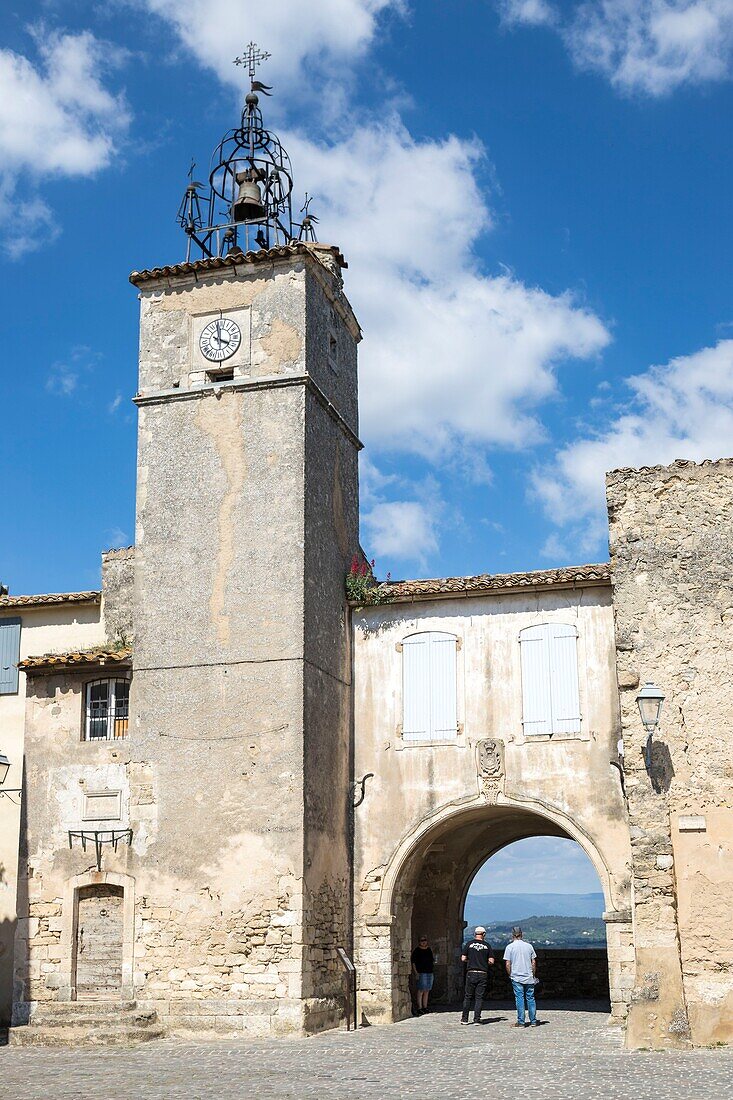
{"x":361,"y":587}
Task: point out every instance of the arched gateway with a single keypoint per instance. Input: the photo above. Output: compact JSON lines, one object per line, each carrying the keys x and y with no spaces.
{"x":518,"y":737}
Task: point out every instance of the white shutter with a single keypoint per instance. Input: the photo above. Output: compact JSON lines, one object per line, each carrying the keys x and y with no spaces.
{"x":536,"y":698}
{"x":416,"y":687}
{"x":564,"y":678}
{"x":443,"y":716}
{"x":429,"y":688}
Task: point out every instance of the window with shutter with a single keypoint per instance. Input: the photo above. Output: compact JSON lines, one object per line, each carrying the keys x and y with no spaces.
{"x":429,"y":699}
{"x":550,"y":696}
{"x":9,"y":655}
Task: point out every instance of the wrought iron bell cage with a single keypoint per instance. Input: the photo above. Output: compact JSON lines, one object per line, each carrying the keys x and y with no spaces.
{"x":248,"y":202}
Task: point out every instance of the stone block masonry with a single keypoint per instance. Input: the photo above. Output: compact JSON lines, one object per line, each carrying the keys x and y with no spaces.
{"x":672,"y":562}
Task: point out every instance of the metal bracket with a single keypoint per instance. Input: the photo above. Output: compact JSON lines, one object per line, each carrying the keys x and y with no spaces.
{"x":98,"y":837}
{"x":362,"y":783}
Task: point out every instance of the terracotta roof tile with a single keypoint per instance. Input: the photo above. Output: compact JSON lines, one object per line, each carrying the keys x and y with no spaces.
{"x":499,"y":582}
{"x":264,"y":255}
{"x":100,"y":655}
{"x":50,"y":597}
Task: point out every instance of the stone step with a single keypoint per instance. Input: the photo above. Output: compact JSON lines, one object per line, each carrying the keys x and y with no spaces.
{"x":88,"y":1023}
{"x":64,"y":1009}
{"x":80,"y":1036}
{"x":138,"y":1017}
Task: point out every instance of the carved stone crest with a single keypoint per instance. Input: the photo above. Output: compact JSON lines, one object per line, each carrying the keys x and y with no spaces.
{"x":490,"y":765}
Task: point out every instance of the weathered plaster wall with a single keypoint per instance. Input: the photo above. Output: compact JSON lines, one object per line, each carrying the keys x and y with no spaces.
{"x":118,"y":571}
{"x":247,"y":506}
{"x":672,"y":559}
{"x":425,"y":825}
{"x":44,"y":629}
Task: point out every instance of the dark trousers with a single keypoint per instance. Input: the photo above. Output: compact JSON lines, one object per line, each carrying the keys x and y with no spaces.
{"x":476,"y":982}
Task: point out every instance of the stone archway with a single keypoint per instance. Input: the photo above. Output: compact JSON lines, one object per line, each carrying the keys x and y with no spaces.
{"x":425,"y":885}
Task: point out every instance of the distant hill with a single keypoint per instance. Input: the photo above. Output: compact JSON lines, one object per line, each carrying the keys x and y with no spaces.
{"x":492,"y":908}
{"x":551,"y":931}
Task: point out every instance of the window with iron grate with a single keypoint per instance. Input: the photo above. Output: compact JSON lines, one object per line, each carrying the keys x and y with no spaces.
{"x":107,"y":710}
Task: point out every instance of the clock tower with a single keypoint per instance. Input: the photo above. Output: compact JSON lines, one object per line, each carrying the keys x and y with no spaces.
{"x":247,"y":519}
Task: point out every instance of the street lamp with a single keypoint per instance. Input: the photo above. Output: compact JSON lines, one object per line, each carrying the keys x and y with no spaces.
{"x":4,"y":769}
{"x":649,"y":701}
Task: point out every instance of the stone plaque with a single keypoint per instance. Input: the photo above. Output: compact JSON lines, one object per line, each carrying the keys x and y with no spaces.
{"x":691,"y":823}
{"x":490,"y":765}
{"x":102,"y":806}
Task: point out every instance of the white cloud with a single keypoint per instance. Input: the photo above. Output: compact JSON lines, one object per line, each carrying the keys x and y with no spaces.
{"x":56,"y":119}
{"x":683,"y":409}
{"x":654,"y":46}
{"x":308,"y":47}
{"x":62,"y":380}
{"x":114,"y":404}
{"x":402,"y":530}
{"x":530,"y":13}
{"x":453,"y":359}
{"x":650,"y":47}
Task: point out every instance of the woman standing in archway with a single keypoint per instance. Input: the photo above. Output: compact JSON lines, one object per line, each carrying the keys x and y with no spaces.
{"x":423,"y":966}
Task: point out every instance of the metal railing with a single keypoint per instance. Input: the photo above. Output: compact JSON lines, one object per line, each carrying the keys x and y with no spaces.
{"x":352,"y":1020}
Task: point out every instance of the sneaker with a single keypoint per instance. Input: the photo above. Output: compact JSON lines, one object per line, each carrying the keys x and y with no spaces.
{"x":517,"y":1024}
{"x":465,"y":1021}
{"x":535,"y":1023}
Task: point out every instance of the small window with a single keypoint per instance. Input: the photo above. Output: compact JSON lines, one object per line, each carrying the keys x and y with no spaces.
{"x":550,"y":697}
{"x":429,"y":687}
{"x":221,"y":374}
{"x":107,"y":710}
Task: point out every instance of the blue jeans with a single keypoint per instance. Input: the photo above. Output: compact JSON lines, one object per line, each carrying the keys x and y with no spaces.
{"x":520,"y":992}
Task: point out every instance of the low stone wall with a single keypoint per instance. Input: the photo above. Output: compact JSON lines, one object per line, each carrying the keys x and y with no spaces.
{"x":566,"y":974}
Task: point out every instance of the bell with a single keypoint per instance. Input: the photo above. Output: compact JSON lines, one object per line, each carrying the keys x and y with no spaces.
{"x":248,"y":206}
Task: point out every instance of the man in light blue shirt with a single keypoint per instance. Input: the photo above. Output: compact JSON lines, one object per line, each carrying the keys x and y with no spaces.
{"x":521,"y":966}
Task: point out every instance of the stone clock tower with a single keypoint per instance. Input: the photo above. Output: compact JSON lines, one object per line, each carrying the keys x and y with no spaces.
{"x":247,"y":518}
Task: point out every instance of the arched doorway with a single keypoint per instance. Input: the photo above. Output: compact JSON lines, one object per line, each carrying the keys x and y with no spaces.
{"x":547,"y":886}
{"x":424,"y":890}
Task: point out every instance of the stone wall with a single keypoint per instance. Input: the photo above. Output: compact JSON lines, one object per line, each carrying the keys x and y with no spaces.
{"x":672,"y":559}
{"x":118,"y":571}
{"x":430,"y":819}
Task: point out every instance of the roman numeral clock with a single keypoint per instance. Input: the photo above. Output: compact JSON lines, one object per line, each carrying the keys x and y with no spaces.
{"x":220,"y":339}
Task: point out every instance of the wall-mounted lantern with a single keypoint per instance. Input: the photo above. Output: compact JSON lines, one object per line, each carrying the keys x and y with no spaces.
{"x":649,"y":701}
{"x":4,"y":769}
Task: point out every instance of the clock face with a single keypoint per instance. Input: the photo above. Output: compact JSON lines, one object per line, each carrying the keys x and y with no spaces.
{"x":220,"y":339}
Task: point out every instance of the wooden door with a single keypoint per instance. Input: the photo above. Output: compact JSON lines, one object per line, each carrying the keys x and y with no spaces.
{"x":99,"y":943}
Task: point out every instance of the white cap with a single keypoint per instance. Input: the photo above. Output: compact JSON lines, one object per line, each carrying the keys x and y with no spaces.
{"x":480,"y":929}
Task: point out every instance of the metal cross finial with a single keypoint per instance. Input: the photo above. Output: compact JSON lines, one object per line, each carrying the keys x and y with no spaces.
{"x":253,"y":57}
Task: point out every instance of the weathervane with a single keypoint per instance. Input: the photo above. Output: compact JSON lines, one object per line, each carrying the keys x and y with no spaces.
{"x":250,"y":174}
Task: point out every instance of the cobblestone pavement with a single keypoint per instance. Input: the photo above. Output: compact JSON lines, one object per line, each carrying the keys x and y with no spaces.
{"x":573,"y":1056}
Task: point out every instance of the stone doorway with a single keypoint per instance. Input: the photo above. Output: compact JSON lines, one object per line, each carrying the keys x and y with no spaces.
{"x":424,"y":890}
{"x":99,"y":937}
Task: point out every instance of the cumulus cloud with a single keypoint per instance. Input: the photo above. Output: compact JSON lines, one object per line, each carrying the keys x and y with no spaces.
{"x":654,"y":46}
{"x":307,"y":48}
{"x":683,"y":409}
{"x":530,"y":13}
{"x":648,"y":47}
{"x":401,"y":530}
{"x":453,"y":359}
{"x":57,"y":118}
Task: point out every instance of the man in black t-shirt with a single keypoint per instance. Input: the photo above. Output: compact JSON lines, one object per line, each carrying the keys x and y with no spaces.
{"x":423,"y":964}
{"x":478,"y":958}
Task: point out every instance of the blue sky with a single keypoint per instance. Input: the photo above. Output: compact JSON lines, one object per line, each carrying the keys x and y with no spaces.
{"x":538,"y":865}
{"x":534,"y":198}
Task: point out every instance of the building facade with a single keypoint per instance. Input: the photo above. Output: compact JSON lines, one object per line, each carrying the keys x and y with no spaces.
{"x":229,"y":772}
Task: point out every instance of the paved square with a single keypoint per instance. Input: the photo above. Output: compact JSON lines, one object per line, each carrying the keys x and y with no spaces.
{"x":573,"y":1056}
